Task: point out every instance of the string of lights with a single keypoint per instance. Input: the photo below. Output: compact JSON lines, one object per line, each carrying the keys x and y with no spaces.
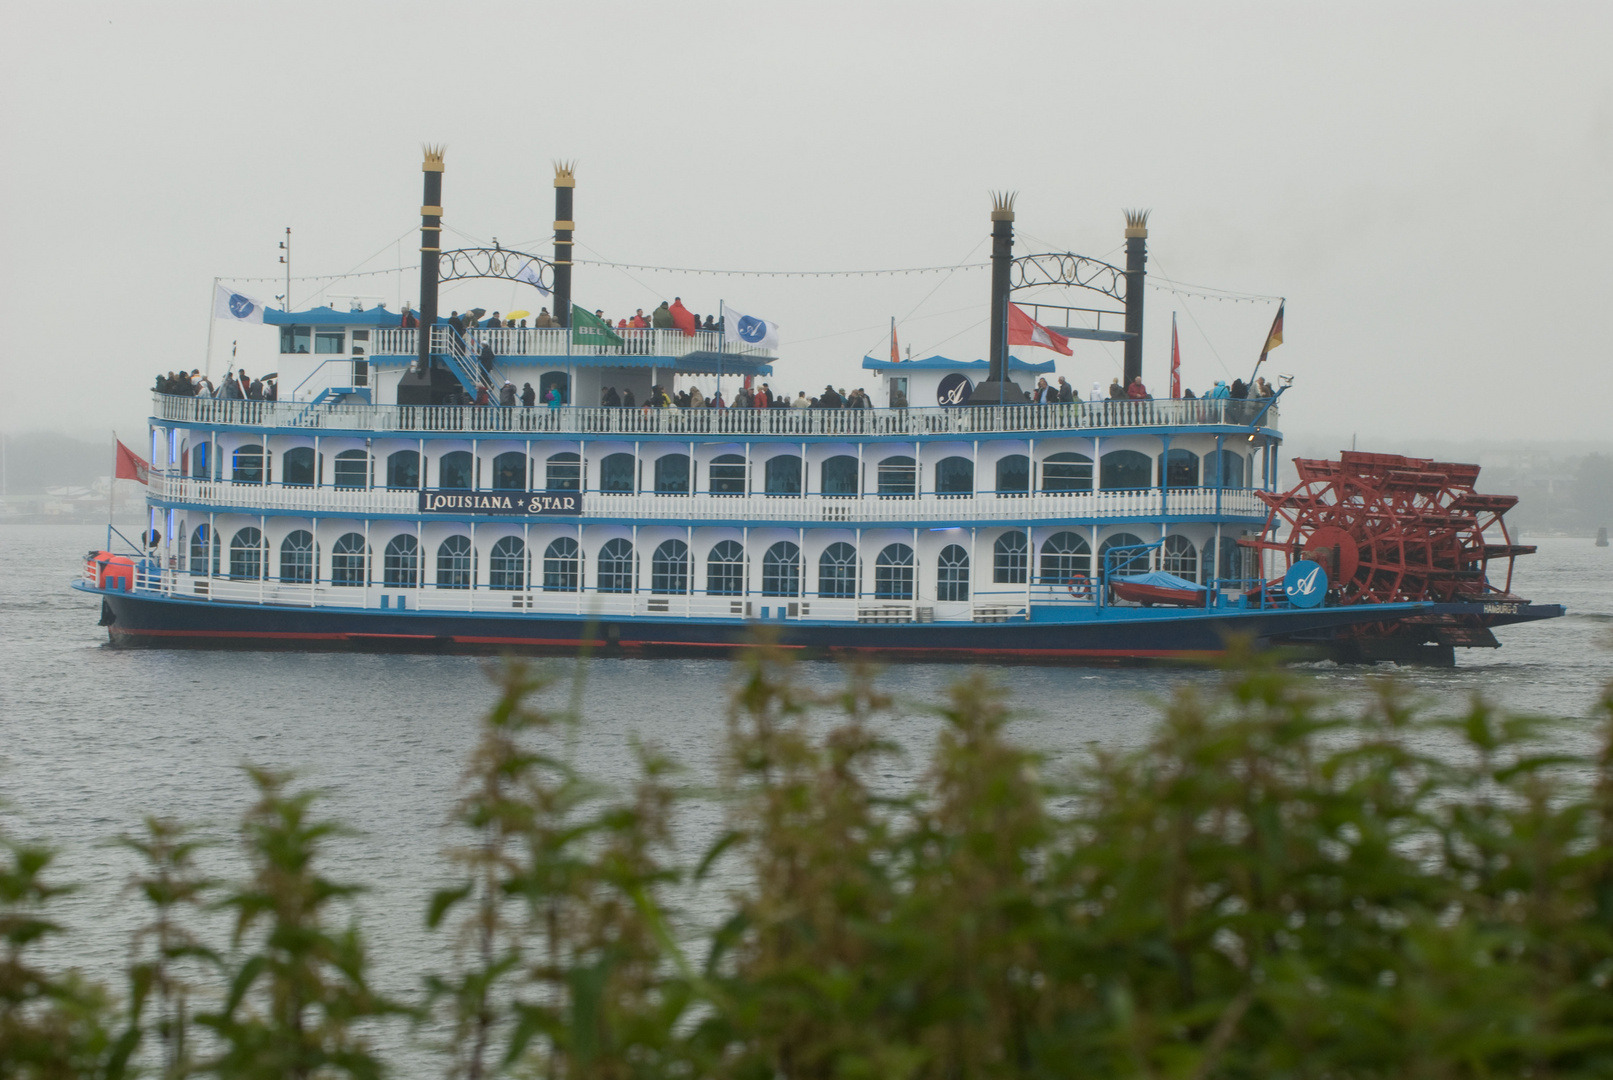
{"x":784,"y":273}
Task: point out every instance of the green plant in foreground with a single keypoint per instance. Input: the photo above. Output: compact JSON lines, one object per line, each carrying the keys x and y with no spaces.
{"x":298,"y":987}
{"x":1268,"y":887}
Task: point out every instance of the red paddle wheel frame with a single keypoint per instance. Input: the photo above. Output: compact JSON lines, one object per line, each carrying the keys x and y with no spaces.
{"x":1390,"y":528}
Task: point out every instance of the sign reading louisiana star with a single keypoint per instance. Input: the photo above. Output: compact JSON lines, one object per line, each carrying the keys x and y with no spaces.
{"x":523,"y":503}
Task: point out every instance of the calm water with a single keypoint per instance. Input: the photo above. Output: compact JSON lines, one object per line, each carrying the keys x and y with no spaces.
{"x":93,"y":738}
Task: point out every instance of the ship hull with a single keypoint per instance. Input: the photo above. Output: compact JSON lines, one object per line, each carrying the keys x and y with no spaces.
{"x":1096,"y":635}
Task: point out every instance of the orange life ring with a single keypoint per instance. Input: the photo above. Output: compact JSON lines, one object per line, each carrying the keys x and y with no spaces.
{"x":1080,"y":587}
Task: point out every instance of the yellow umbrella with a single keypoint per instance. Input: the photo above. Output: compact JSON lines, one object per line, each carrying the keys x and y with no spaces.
{"x":516,"y":314}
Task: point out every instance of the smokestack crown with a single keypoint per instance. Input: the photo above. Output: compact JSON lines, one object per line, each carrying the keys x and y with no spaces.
{"x":1137,"y":224}
{"x":1002,"y":205}
{"x":433,"y":162}
{"x":565,"y":174}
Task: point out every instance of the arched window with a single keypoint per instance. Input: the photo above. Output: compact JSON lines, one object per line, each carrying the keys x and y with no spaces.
{"x":198,"y":460}
{"x":1178,"y":556}
{"x":784,"y":475}
{"x":298,"y":559}
{"x":297,"y":467}
{"x":554,"y":380}
{"x":954,"y":476}
{"x":727,"y":474}
{"x":506,"y":564}
{"x":352,"y":470}
{"x":781,"y":570}
{"x":248,"y":555}
{"x":672,"y":474}
{"x":1014,"y":475}
{"x":456,"y":563}
{"x":669,"y":568}
{"x":349,"y":560}
{"x":1010,"y":558}
{"x":1230,"y":559}
{"x":1126,"y":469}
{"x":1224,"y":468}
{"x":403,"y":469}
{"x":509,"y":473}
{"x":1065,"y":557}
{"x":562,"y":566}
{"x":893,"y":573}
{"x":199,"y":543}
{"x":898,"y":477}
{"x":563,"y":472}
{"x":1130,"y":557}
{"x":247,"y":465}
{"x":616,"y":566}
{"x":400,"y":562}
{"x":837,"y":571}
{"x":952,"y":573}
{"x":616,"y":474}
{"x":725,"y":569}
{"x":1068,"y":471}
{"x":838,"y":475}
{"x":1180,"y":467}
{"x":455,"y":470}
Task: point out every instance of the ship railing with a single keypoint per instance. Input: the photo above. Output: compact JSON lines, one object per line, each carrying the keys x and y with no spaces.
{"x":706,"y":423}
{"x":531,"y":601}
{"x":807,"y":509}
{"x":555,"y":342}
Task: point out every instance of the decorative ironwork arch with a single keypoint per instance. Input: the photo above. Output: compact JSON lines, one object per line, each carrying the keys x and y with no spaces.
{"x":462,"y":263}
{"x":1055,"y":268}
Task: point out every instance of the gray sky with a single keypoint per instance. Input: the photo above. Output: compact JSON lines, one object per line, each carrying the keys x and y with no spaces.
{"x":1428,"y":185}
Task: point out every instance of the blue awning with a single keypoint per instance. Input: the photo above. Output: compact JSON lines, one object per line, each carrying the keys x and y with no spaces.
{"x":942,"y":363}
{"x":329,"y":316}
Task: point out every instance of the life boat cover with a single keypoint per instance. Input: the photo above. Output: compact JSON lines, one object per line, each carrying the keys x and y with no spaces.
{"x":1159,"y":579}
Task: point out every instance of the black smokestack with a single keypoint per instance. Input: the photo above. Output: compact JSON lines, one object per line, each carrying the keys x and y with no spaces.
{"x":430,"y":248}
{"x":998,"y":389}
{"x":565,"y":183}
{"x":1136,"y":273}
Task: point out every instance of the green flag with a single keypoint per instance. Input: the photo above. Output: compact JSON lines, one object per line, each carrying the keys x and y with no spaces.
{"x":589,"y":329}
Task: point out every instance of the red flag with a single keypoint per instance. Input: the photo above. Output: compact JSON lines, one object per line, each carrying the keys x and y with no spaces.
{"x":896,"y":353}
{"x":1024,"y":330}
{"x":131,"y":466}
{"x":683,"y":318}
{"x":1176,"y":361}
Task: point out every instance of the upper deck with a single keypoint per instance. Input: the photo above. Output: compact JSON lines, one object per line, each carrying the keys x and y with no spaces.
{"x":1204,"y":414}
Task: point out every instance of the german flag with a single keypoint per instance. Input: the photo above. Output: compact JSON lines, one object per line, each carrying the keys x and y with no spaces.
{"x":1275,"y":338}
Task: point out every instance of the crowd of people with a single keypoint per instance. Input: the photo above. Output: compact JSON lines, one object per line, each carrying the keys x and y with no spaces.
{"x":665,"y":317}
{"x":1136,"y":391}
{"x":237,"y":387}
{"x":760,"y":397}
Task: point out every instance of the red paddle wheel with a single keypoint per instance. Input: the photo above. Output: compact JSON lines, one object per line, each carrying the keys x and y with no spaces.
{"x":1389,"y":528}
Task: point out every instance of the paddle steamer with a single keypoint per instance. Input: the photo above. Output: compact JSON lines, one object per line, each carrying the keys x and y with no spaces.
{"x":374,"y":508}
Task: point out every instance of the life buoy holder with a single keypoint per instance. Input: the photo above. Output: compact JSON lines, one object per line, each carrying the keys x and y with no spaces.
{"x":1080,"y":587}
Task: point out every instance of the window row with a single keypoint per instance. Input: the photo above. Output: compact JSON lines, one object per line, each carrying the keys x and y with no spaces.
{"x":616,"y":569}
{"x":731,"y":474}
{"x":1065,"y":558}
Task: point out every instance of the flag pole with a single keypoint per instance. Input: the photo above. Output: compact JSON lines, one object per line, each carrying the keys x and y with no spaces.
{"x":111,"y":487}
{"x":722,"y":323}
{"x":212,"y":301}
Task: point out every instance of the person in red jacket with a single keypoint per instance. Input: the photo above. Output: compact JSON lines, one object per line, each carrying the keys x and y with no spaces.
{"x":1137,"y":391}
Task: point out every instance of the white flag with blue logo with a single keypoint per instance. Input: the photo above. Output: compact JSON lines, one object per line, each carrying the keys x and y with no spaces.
{"x":229,"y":304}
{"x":529,"y":274}
{"x":749,"y":330}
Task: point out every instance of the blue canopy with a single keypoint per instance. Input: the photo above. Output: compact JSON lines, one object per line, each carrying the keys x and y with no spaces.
{"x":329,"y":316}
{"x":942,"y":363}
{"x":1157,"y":578}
